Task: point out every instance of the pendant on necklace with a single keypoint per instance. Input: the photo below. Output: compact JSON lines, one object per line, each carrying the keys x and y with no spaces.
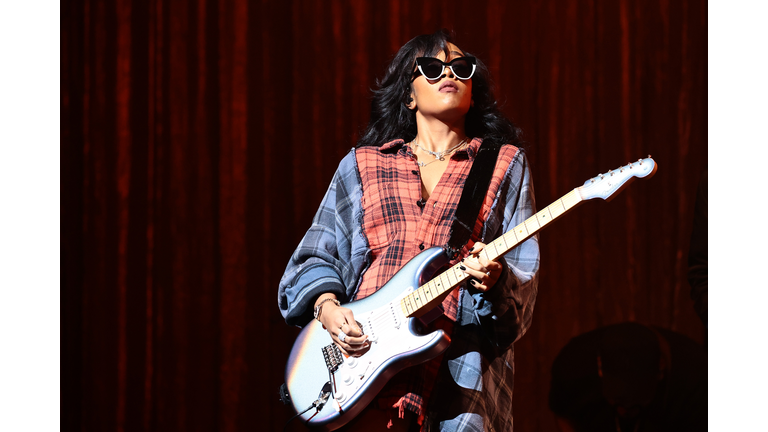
{"x":423,"y":164}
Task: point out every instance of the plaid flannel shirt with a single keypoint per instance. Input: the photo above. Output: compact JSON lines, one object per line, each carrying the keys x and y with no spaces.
{"x":370,"y":224}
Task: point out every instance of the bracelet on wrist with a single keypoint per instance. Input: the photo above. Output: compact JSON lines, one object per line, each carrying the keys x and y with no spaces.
{"x":319,"y":307}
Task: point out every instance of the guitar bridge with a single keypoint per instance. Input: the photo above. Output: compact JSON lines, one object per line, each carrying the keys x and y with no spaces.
{"x":333,"y":357}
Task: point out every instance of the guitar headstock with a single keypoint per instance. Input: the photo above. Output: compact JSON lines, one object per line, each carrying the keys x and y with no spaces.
{"x":607,"y":185}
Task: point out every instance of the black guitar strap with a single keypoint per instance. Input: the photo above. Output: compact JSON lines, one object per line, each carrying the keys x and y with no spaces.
{"x":472,"y":197}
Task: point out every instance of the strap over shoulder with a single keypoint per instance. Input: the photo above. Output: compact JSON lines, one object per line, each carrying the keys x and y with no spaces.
{"x":472,"y":197}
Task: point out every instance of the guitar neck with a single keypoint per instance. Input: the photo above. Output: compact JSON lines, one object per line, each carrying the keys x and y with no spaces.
{"x":429,"y":295}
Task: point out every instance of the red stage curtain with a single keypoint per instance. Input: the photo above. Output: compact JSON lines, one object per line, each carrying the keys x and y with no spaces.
{"x":198,"y":138}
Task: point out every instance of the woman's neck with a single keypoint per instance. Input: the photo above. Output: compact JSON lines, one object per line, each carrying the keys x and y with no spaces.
{"x":438,"y":136}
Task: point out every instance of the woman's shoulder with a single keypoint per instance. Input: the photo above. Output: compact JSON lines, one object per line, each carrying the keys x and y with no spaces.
{"x":348,"y":165}
{"x":511,"y":155}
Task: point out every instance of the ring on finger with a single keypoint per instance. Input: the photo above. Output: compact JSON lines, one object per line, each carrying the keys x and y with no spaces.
{"x":342,"y":336}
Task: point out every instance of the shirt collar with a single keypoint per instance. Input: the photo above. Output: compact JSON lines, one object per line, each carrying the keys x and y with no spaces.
{"x":392,"y":144}
{"x":470,"y":150}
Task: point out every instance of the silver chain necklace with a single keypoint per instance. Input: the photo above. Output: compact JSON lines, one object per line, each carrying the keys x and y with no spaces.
{"x":440,"y":155}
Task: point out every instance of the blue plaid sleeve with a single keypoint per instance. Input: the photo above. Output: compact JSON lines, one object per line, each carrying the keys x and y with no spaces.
{"x":331,"y":256}
{"x":505,"y":311}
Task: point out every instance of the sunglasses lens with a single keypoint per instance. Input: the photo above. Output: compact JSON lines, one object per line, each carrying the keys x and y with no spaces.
{"x":462,"y":69}
{"x":432,"y":69}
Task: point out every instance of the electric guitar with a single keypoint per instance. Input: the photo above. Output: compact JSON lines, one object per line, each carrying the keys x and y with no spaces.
{"x":328,"y":389}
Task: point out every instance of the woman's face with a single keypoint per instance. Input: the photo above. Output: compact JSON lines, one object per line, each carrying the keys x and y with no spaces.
{"x":447,"y":97}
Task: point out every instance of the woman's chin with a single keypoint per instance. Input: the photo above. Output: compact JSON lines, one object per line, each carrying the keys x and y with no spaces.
{"x":448,"y":112}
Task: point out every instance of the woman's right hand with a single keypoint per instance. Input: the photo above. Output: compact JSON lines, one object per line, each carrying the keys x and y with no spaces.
{"x":338,"y":320}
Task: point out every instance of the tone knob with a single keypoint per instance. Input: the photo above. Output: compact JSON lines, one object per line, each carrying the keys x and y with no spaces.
{"x":347,"y":378}
{"x":340,"y":396}
{"x":351,"y":362}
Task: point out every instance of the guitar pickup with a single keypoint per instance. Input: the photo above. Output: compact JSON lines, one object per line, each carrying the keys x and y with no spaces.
{"x":333,"y":357}
{"x":395,"y":321}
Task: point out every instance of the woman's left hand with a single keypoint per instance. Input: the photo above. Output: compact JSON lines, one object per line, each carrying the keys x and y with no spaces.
{"x":485,"y":273}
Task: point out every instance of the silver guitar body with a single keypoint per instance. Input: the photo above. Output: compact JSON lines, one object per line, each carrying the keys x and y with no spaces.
{"x":395,"y":345}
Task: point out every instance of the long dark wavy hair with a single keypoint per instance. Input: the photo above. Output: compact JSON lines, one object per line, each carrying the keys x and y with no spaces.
{"x":391,"y":119}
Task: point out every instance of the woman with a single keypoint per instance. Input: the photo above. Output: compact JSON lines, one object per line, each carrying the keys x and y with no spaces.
{"x":395,"y":195}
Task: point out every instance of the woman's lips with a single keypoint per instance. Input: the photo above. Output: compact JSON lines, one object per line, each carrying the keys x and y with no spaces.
{"x":449,"y":87}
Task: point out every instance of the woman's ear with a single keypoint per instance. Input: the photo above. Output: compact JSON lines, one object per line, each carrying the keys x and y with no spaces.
{"x":409,"y":102}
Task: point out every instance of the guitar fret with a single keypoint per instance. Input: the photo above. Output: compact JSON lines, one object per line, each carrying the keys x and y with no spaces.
{"x":460,"y":276}
{"x":495,"y":249}
{"x":411,"y":303}
{"x":406,"y":305}
{"x":436,"y":286}
{"x":571,"y":199}
{"x":456,"y":275}
{"x":417,"y":299}
{"x":556,"y":208}
{"x":404,"y":308}
{"x":532,"y":225}
{"x":448,"y":276}
{"x":487,"y":253}
{"x":512,"y":239}
{"x":503,"y":239}
{"x":429,"y":293}
{"x":443,"y":279}
{"x":521,"y":231}
{"x":433,"y":289}
{"x":543,"y":217}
